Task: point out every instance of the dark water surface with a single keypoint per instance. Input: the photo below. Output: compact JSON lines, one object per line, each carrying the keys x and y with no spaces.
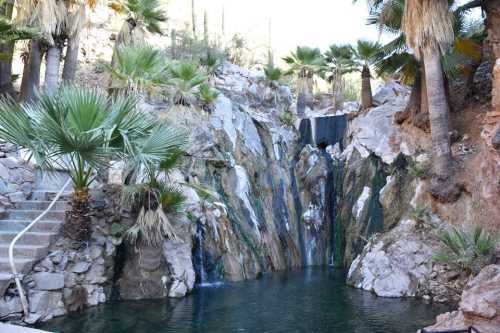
{"x":313,"y":300}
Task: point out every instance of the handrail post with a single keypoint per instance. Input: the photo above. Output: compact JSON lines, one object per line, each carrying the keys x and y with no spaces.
{"x":22,"y":296}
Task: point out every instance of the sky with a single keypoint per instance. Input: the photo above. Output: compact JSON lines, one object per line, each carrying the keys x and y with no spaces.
{"x":317,"y":23}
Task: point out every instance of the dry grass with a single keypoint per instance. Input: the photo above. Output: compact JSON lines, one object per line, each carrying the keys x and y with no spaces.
{"x":428,"y":24}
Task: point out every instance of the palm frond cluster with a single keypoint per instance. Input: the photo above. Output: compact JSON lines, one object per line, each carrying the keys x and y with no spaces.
{"x":142,"y":68}
{"x":467,"y":250}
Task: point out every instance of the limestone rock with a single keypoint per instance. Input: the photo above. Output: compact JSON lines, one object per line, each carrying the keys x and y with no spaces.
{"x":479,"y":306}
{"x":178,"y":256}
{"x":394,"y":264}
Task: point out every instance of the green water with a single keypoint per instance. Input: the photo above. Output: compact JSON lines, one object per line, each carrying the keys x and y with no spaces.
{"x":313,"y":300}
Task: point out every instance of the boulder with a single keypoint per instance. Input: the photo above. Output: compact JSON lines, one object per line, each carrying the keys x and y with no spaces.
{"x":178,"y":256}
{"x":48,"y":281}
{"x":479,"y":305}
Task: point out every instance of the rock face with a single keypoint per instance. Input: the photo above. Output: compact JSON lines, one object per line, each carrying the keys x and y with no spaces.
{"x":479,"y":305}
{"x":394,"y":264}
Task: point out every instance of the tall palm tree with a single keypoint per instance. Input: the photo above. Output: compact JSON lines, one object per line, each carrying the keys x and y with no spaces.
{"x":9,"y":34}
{"x":141,"y":16}
{"x":77,"y":13}
{"x":81,"y":130}
{"x":428,"y":26}
{"x":339,"y":60}
{"x":305,"y":62}
{"x":365,"y":56}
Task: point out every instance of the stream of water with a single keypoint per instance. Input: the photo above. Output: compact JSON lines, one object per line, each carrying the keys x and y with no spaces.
{"x":312,"y":300}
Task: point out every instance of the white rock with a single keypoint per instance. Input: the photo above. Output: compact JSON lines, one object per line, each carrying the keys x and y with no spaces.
{"x":48,"y":281}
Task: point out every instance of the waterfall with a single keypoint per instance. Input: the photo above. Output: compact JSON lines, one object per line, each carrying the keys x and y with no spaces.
{"x":323,"y":244}
{"x":199,"y":255}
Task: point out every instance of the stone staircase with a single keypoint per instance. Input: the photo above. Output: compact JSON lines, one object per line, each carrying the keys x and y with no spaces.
{"x":33,"y":245}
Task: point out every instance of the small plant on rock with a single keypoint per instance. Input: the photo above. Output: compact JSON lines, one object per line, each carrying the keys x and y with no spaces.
{"x":208,"y":97}
{"x":185,"y":79}
{"x":286,"y":119}
{"x":465,"y":250}
{"x":273,"y":75}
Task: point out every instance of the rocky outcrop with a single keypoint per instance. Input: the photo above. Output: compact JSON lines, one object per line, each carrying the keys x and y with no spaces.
{"x":479,"y":305}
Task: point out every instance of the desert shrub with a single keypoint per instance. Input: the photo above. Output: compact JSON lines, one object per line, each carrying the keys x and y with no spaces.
{"x":466,"y":250}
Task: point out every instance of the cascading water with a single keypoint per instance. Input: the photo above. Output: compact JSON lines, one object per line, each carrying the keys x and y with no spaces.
{"x":199,"y":255}
{"x":323,"y":241}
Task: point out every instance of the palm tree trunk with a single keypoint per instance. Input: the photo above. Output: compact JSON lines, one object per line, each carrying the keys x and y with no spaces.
{"x":7,"y":48}
{"x":301,"y":103}
{"x":442,"y":186}
{"x":366,"y":88}
{"x":53,"y":60}
{"x":71,"y":59}
{"x":31,"y":72}
{"x":77,"y":224}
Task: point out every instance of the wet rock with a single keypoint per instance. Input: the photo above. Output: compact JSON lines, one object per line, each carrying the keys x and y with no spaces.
{"x":46,"y":304}
{"x":178,"y":256}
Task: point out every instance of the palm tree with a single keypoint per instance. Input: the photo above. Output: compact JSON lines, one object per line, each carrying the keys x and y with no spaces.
{"x":365,"y":55}
{"x":339,"y":61}
{"x":185,"y":79}
{"x":139,"y":68}
{"x":81,"y":130}
{"x":305,"y":62}
{"x":428,"y":26}
{"x":141,"y":16}
{"x":9,"y":34}
{"x":77,"y":14}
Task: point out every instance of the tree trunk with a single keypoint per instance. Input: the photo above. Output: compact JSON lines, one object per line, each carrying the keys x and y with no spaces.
{"x":71,"y":59}
{"x":7,"y":48}
{"x":301,"y":103}
{"x":366,"y":88}
{"x":31,"y":72}
{"x":53,"y":60}
{"x":77,"y":224}
{"x":442,"y":186}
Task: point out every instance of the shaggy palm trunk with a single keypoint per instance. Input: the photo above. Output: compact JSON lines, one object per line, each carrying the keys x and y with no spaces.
{"x":338,"y":91}
{"x":77,"y":225}
{"x":31,"y":72}
{"x":366,"y":88}
{"x":71,"y":59}
{"x":7,"y":49}
{"x":442,"y":187}
{"x":301,"y":94}
{"x":52,"y":64}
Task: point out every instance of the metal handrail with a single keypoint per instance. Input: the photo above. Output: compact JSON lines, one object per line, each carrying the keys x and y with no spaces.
{"x":470,"y":329}
{"x":22,"y":296}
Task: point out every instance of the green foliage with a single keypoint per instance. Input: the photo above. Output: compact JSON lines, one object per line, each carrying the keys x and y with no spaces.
{"x":81,"y":130}
{"x":11,"y":33}
{"x":138,"y":68}
{"x":420,"y":214}
{"x":210,"y":61}
{"x":273,"y":74}
{"x":352,"y":87}
{"x":465,"y":250}
{"x":419,"y":171}
{"x":185,"y":79}
{"x":305,"y":61}
{"x":286,"y":119}
{"x":147,"y":13}
{"x":153,"y":199}
{"x":208,"y":96}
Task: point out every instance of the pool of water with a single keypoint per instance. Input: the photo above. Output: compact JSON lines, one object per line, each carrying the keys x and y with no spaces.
{"x":313,"y":300}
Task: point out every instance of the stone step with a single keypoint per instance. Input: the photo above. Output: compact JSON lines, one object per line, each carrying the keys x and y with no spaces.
{"x":18,"y":225}
{"x":40,"y":205}
{"x":40,"y":195}
{"x":8,"y":328}
{"x":20,"y":262}
{"x":29,"y":238}
{"x":33,"y":214}
{"x":20,"y":250}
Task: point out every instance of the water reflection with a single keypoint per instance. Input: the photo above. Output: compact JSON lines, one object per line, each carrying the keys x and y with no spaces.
{"x":314,"y":300}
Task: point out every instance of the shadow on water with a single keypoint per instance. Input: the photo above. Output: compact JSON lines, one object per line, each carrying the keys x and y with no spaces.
{"x":312,"y":300}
